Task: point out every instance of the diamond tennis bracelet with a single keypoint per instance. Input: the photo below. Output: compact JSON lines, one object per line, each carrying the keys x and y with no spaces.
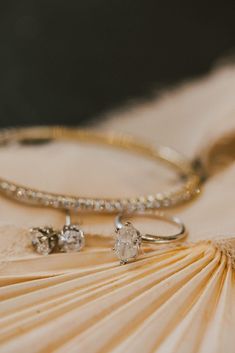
{"x":25,"y":194}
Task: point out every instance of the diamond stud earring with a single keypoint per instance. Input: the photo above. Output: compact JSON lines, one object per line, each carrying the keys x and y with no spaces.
{"x":71,"y":238}
{"x":47,"y":240}
{"x":44,"y":240}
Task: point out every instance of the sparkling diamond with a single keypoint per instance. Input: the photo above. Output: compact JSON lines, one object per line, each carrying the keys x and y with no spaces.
{"x":20,"y":193}
{"x":127,"y":243}
{"x":71,"y":239}
{"x":42,"y":241}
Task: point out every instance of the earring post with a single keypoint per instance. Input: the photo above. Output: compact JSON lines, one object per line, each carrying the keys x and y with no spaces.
{"x":68,"y":219}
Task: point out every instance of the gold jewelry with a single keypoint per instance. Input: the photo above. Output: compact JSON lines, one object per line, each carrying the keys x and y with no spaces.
{"x":32,"y":196}
{"x":128,"y":239}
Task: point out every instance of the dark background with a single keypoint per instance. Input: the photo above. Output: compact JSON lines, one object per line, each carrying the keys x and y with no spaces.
{"x":70,"y":61}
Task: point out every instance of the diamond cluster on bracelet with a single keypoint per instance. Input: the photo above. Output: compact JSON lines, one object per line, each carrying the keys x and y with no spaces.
{"x":160,"y":200}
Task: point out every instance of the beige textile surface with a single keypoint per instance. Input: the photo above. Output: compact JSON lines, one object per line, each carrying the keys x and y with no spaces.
{"x":175,"y":299}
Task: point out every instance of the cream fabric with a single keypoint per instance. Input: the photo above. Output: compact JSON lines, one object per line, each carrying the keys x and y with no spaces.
{"x":175,"y":298}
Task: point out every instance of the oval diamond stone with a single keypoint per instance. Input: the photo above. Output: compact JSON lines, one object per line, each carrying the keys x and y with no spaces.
{"x":127,"y":243}
{"x":71,"y":239}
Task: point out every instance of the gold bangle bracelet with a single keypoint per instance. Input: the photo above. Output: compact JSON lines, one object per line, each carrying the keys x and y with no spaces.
{"x":24,"y":194}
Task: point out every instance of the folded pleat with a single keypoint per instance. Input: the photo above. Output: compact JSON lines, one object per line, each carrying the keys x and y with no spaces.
{"x":173,"y":299}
